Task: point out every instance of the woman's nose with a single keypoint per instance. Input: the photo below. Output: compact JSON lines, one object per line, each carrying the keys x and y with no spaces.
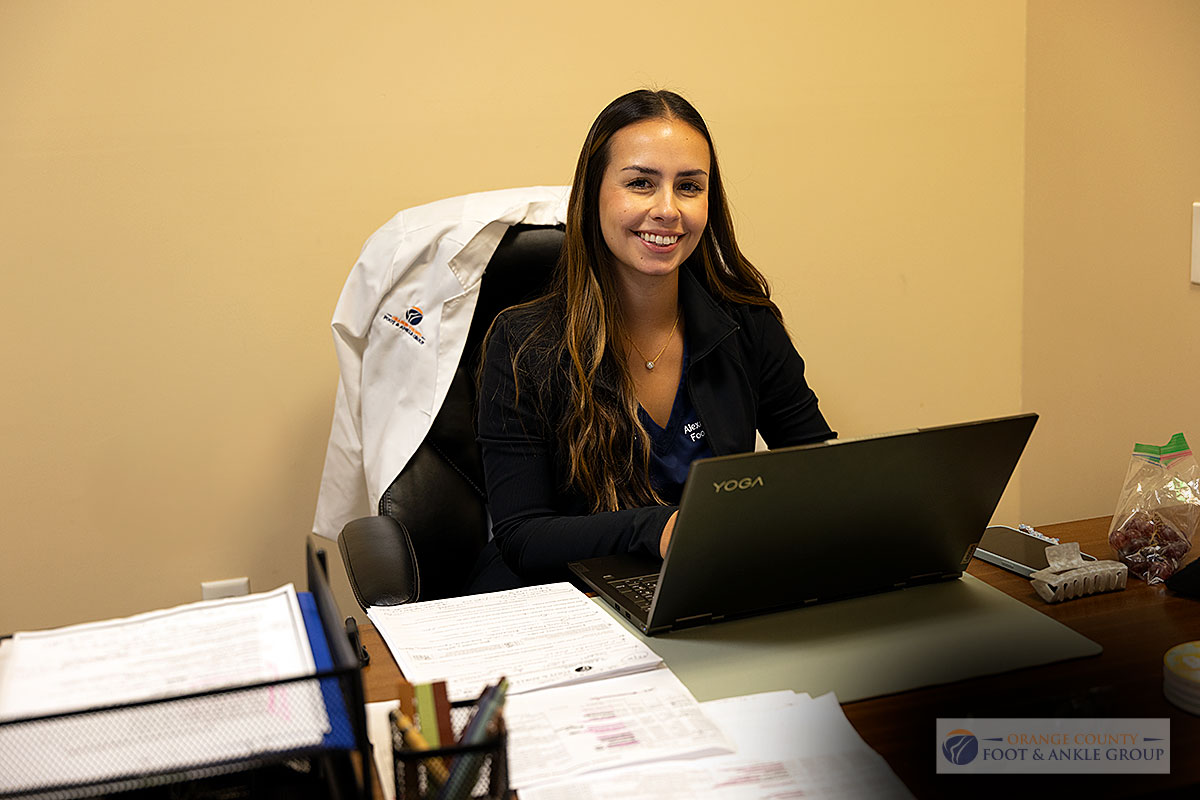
{"x":664,"y":207}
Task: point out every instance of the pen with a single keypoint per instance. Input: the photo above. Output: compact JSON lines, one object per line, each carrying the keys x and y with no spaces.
{"x":466,"y":767}
{"x":415,"y":741}
{"x":490,"y":703}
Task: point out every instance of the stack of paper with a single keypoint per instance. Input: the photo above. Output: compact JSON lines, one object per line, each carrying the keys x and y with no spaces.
{"x":537,"y":637}
{"x":161,"y":654}
{"x":619,"y":722}
{"x":788,"y":745}
{"x":580,"y":728}
{"x":638,"y":733}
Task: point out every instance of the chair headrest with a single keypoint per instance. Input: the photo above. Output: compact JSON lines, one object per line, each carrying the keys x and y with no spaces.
{"x":520,"y":269}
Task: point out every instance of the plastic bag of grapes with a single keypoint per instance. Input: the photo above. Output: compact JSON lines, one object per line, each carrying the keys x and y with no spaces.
{"x":1158,"y":510}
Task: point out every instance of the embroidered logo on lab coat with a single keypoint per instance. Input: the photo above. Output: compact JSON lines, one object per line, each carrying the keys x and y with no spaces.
{"x":412,"y":318}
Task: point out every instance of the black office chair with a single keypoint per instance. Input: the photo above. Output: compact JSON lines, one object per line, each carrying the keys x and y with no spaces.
{"x":432,"y":519}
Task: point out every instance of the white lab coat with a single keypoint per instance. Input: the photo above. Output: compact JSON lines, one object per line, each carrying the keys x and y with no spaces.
{"x":399,"y":330}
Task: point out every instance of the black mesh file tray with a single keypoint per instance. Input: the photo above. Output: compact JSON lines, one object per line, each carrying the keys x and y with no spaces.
{"x":298,"y":737}
{"x":188,"y":738}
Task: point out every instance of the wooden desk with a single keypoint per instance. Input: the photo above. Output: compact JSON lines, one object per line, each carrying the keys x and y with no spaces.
{"x":1136,"y":627}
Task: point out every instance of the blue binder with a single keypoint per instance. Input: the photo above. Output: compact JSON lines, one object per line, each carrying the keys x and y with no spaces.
{"x":340,"y":734}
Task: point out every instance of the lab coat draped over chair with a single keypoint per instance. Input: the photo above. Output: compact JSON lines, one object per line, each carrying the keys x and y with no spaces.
{"x":399,"y":329}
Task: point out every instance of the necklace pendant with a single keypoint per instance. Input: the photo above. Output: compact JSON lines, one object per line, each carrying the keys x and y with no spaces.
{"x":649,"y":365}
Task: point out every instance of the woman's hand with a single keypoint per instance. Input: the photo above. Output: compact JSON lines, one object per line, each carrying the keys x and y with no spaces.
{"x":665,"y":539}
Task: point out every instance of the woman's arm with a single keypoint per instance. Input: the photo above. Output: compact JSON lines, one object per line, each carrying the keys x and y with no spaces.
{"x":538,"y":526}
{"x":788,"y":412}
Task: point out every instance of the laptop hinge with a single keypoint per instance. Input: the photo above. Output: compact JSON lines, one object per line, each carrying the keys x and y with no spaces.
{"x":928,"y":577}
{"x":697,"y":619}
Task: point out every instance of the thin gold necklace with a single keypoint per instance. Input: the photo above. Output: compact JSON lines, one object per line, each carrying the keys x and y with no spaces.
{"x":650,"y":361}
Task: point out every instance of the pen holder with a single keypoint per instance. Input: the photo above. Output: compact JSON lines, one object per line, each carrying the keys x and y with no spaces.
{"x":453,"y":772}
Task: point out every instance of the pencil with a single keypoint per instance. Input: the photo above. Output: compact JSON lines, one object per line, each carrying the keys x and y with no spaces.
{"x":415,"y":741}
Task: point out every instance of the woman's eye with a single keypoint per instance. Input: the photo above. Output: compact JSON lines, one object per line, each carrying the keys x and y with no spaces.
{"x":639,"y":183}
{"x":690,"y":187}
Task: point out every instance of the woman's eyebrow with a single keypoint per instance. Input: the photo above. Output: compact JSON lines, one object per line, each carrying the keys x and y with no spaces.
{"x":687,"y":173}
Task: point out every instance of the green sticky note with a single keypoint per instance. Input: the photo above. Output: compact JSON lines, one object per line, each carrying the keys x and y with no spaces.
{"x":427,"y":711}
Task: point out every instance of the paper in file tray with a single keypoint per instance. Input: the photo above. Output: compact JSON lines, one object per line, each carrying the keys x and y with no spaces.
{"x":1069,"y":576}
{"x":284,"y":731}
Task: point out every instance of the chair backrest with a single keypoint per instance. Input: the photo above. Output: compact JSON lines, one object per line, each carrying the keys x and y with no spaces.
{"x":439,"y":497}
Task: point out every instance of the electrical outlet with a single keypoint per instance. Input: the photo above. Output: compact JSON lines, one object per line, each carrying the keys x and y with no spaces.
{"x":230,"y":587}
{"x":1196,"y":243}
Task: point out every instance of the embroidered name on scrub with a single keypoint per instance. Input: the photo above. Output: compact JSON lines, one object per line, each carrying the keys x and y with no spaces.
{"x":675,"y":447}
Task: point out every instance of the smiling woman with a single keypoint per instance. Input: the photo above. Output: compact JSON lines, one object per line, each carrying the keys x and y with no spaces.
{"x":658,"y":344}
{"x":654,"y":197}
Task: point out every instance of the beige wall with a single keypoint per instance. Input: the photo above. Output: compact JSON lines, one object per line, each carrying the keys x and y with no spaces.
{"x":187,"y":185}
{"x":1112,"y":322}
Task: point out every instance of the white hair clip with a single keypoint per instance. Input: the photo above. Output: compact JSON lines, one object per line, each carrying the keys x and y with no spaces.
{"x":1069,"y":576}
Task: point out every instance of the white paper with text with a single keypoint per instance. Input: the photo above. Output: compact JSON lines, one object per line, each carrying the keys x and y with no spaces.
{"x":161,"y":654}
{"x":537,"y":637}
{"x":632,"y":719}
{"x":787,"y":747}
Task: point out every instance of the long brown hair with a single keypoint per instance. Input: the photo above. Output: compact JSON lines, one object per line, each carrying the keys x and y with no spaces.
{"x":606,"y":446}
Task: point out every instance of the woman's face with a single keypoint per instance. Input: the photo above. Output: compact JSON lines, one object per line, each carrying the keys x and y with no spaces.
{"x":654,"y":195}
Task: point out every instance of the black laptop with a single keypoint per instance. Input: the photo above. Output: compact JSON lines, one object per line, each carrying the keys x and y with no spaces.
{"x":766,"y":531}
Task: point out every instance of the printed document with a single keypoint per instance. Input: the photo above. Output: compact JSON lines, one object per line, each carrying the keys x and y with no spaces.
{"x":633,"y":719}
{"x":189,"y":648}
{"x":160,"y":654}
{"x":788,"y":746}
{"x":537,"y":637}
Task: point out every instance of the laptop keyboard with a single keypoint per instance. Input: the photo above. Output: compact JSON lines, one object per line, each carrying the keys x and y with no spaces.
{"x":639,"y":589}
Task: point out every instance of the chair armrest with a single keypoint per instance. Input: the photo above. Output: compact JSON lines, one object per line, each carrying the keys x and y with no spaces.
{"x":380,"y":562}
